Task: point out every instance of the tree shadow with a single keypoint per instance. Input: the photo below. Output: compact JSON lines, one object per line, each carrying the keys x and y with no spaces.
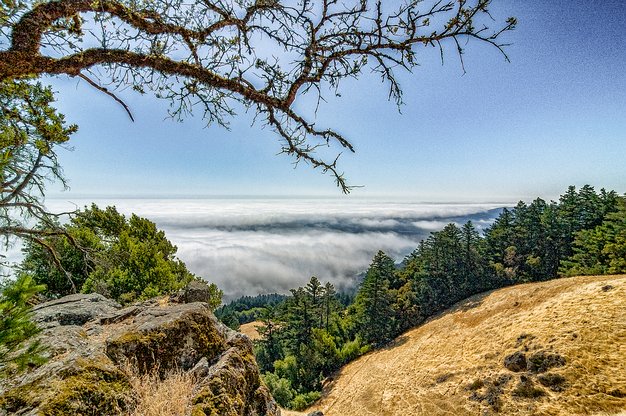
{"x":464,"y":305}
{"x":401,"y":340}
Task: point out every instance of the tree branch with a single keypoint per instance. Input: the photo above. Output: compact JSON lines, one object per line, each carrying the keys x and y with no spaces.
{"x":107,"y":92}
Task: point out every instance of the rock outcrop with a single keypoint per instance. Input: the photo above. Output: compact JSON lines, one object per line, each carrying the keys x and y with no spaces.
{"x":91,"y":342}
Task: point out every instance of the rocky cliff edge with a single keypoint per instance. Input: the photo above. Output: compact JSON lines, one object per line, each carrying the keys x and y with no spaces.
{"x":92,"y":342}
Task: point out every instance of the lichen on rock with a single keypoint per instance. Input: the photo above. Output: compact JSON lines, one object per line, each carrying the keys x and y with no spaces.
{"x":91,"y":342}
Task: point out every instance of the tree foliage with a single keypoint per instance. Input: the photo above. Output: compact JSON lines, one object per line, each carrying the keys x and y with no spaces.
{"x":303,"y":342}
{"x":529,"y":242}
{"x":30,"y":130}
{"x":16,"y":327}
{"x":602,"y":249}
{"x":126,"y":259}
{"x":372,"y":310}
{"x":247,"y":309}
{"x":218,"y":55}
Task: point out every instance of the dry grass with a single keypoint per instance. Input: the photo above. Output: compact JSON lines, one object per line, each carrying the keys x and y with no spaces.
{"x":453,"y":365}
{"x":156,"y":396}
{"x":251,"y":330}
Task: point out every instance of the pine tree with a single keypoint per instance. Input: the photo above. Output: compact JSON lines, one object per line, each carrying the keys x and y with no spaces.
{"x":126,"y":259}
{"x":472,"y":260}
{"x":315,"y":290}
{"x":329,"y":303}
{"x":300,"y":318}
{"x":601,"y":250}
{"x":269,"y":349}
{"x":373,"y":303}
{"x":16,"y":327}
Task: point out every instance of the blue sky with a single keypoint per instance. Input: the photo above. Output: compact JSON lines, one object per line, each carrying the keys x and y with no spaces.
{"x":554,"y":116}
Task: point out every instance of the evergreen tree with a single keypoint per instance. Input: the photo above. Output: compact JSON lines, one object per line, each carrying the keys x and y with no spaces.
{"x":499,"y":239}
{"x":16,"y":327}
{"x":329,"y":304}
{"x":269,"y":347}
{"x":601,"y":250}
{"x":301,"y":318}
{"x":126,"y":259}
{"x":372,"y":310}
{"x":473,"y":270}
{"x":315,"y":290}
{"x":529,"y":242}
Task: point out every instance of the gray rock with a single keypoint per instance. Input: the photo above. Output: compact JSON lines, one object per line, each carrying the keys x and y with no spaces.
{"x":120,"y":315}
{"x":195,"y":291}
{"x":316,"y":413}
{"x":90,"y":341}
{"x":74,"y":309}
{"x":177,"y":336}
{"x":201,"y":369}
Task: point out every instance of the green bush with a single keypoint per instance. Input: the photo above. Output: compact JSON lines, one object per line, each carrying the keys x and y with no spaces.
{"x":302,"y":401}
{"x":280,"y":388}
{"x":16,"y":327}
{"x":287,"y":367}
{"x":352,"y":349}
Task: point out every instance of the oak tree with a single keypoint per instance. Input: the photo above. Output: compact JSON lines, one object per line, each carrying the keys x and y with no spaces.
{"x":30,"y":131}
{"x":217,"y":56}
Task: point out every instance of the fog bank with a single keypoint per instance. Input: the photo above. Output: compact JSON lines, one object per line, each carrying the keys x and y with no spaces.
{"x":252,"y":246}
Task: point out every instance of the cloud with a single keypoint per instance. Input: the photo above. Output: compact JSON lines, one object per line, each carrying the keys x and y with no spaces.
{"x":245,"y":262}
{"x":251,"y":246}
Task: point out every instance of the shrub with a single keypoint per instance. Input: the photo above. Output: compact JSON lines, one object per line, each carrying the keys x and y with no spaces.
{"x":16,"y":327}
{"x":555,"y":382}
{"x":127,"y":259}
{"x":352,"y":349}
{"x":302,"y":401}
{"x":280,"y":388}
{"x":526,"y":389}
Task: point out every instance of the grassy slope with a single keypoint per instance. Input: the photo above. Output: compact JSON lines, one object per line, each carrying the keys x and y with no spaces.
{"x":250,"y":329}
{"x":428,"y":369}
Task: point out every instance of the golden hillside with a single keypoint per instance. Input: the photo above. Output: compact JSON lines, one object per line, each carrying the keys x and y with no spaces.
{"x":251,"y":330}
{"x":572,"y":333}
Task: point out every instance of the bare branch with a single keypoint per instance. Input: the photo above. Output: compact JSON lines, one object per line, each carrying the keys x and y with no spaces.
{"x":109,"y":93}
{"x":212,"y":54}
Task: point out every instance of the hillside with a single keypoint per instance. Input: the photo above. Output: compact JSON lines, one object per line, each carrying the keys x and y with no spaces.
{"x":251,"y":330}
{"x":571,"y":331}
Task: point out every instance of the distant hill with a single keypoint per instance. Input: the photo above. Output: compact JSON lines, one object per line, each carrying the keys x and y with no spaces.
{"x":563,"y":343}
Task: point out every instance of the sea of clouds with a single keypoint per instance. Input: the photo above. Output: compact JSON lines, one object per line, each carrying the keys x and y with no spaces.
{"x":249,"y":246}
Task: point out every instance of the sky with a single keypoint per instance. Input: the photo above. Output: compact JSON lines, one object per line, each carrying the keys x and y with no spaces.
{"x":552,"y":117}
{"x":463,"y":145}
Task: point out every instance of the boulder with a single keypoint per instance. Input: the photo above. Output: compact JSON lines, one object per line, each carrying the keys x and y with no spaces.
{"x":516,"y":362}
{"x":195,"y":291}
{"x":75,"y":309}
{"x":92,"y":341}
{"x":174,"y":337}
